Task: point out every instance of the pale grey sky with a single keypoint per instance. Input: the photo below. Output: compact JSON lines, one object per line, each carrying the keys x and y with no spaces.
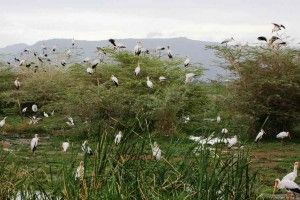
{"x":28,"y":21}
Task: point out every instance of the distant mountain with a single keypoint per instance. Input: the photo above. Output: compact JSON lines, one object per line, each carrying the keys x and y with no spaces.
{"x":181,"y":47}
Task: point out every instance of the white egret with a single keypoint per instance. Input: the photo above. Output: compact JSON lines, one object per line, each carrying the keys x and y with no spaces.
{"x":162,"y":78}
{"x":34,"y":108}
{"x":86,"y":148}
{"x":80,"y":171}
{"x":218,"y":119}
{"x":17,"y":83}
{"x":149,"y":83}
{"x":24,"y":109}
{"x":2,"y":122}
{"x":70,"y":121}
{"x":232,"y":141}
{"x":186,"y":119}
{"x":52,"y":113}
{"x":34,"y":143}
{"x":90,"y":70}
{"x":114,"y":80}
{"x":292,"y":175}
{"x":186,"y":62}
{"x":189,"y":77}
{"x":156,"y":152}
{"x":137,"y":70}
{"x":118,"y":137}
{"x":65,"y":146}
{"x":45,"y":114}
{"x":224,"y":130}
{"x":259,"y":135}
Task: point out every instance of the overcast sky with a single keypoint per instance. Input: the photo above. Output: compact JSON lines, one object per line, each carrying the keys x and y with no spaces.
{"x":28,"y":21}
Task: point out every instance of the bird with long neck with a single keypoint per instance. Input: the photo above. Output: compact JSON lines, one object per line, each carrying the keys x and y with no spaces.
{"x":292,"y":175}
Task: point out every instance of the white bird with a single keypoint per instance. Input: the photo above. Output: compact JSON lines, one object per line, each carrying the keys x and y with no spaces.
{"x":79,"y":171}
{"x":259,"y":135}
{"x":34,"y":143}
{"x":70,"y":122}
{"x":137,"y":70}
{"x":286,"y":184}
{"x":224,"y":130}
{"x":90,"y":70}
{"x":24,"y":109}
{"x":232,"y":141}
{"x":170,"y":55}
{"x":162,"y":78}
{"x":187,"y":62}
{"x":149,"y":83}
{"x":68,"y":52}
{"x":226,"y":41}
{"x":34,"y":108}
{"x":218,"y":119}
{"x":45,"y":114}
{"x":114,"y":80}
{"x":186,"y":119}
{"x":86,"y":148}
{"x":156,"y":152}
{"x":65,"y":146}
{"x":2,"y":122}
{"x":95,"y":63}
{"x":292,"y":175}
{"x":189,"y":77}
{"x":17,"y":83}
{"x":137,"y":48}
{"x":22,"y":62}
{"x":118,"y":138}
{"x":52,"y":113}
{"x":283,"y":135}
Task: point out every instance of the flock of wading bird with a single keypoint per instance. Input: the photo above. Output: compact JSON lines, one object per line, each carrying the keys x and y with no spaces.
{"x":274,"y":42}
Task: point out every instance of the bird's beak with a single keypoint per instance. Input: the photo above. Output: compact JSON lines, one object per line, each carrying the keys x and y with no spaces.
{"x":275,"y":187}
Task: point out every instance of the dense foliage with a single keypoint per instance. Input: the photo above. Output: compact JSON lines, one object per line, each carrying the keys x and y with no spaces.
{"x":264,"y":88}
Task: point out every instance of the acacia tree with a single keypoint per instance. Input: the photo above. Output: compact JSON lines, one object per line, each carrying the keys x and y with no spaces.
{"x":264,"y":86}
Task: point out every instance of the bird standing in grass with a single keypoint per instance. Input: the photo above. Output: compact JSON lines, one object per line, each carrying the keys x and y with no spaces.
{"x":90,"y":70}
{"x":224,"y":130}
{"x":17,"y":83}
{"x":2,"y":122}
{"x":156,"y":152}
{"x":283,"y":135}
{"x":293,"y":175}
{"x":218,"y":119}
{"x":45,"y":114}
{"x":260,"y":135}
{"x":34,"y":143}
{"x":137,"y":70}
{"x":288,"y":185}
{"x":189,"y":77}
{"x":162,"y":78}
{"x":65,"y":146}
{"x":80,"y":171}
{"x":34,"y":108}
{"x":86,"y":148}
{"x":232,"y":141}
{"x":118,"y":138}
{"x":70,"y":121}
{"x":186,"y":62}
{"x":114,"y":80}
{"x":149,"y":83}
